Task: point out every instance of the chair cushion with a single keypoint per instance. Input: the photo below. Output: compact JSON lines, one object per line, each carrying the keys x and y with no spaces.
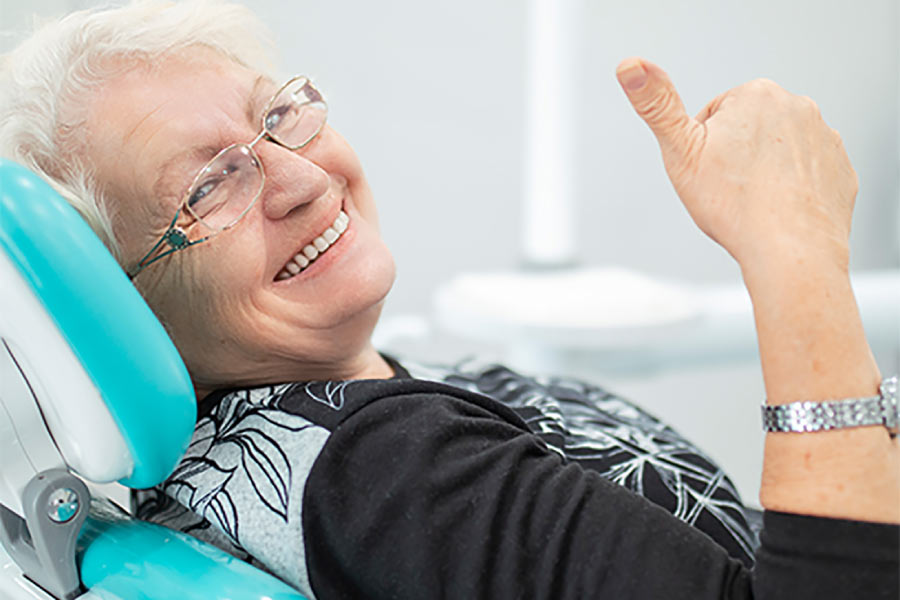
{"x":110,"y":329}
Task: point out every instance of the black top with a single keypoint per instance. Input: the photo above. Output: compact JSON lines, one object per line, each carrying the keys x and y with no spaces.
{"x":414,"y":489}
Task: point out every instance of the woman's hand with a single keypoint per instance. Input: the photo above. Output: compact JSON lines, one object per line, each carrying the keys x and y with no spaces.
{"x":758,"y":169}
{"x":764,"y":176}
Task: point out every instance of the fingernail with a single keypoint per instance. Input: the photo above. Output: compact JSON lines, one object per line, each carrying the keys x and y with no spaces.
{"x":632,"y":76}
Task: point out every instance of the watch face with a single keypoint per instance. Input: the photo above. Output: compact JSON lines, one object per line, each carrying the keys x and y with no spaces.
{"x":889,"y":388}
{"x":890,"y":404}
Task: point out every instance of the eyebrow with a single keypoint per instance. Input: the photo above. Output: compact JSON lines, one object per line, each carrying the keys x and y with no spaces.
{"x":252,"y":108}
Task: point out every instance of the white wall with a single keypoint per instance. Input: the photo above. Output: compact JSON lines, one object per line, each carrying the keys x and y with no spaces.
{"x":429,"y":93}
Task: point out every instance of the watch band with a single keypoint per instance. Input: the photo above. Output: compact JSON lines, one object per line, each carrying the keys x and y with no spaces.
{"x":836,"y":414}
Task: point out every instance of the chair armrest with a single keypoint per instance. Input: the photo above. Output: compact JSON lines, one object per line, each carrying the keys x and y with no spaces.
{"x":125,"y":558}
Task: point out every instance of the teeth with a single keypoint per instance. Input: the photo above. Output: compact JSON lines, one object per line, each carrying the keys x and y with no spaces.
{"x":330,"y":235}
{"x":340,"y":224}
{"x":311,"y":251}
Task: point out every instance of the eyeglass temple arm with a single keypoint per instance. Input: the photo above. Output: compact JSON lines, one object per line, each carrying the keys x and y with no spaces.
{"x":180,"y":244}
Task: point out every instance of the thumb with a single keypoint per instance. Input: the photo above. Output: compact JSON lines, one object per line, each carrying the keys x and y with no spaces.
{"x":656,"y":101}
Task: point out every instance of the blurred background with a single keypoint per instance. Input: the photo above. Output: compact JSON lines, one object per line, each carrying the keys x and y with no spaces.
{"x":434,"y":97}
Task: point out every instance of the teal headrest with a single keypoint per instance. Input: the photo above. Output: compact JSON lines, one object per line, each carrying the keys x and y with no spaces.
{"x":110,"y":329}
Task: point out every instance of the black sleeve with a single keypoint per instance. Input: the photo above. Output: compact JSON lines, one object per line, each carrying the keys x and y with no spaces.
{"x":425,"y":496}
{"x":810,"y":557}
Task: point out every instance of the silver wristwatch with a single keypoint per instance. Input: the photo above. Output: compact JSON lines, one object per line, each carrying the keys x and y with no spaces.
{"x":882,"y":409}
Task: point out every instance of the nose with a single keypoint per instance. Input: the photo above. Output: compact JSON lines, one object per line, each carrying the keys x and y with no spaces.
{"x":292,"y":180}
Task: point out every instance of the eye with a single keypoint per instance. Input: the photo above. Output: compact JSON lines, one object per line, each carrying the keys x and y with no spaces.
{"x":210,"y":193}
{"x":202,"y":191}
{"x":207,"y":187}
{"x":275,"y":116}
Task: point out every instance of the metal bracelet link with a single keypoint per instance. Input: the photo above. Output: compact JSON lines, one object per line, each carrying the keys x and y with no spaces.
{"x":836,"y":414}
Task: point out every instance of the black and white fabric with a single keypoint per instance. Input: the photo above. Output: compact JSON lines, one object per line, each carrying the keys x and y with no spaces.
{"x":614,"y":437}
{"x":454,"y":479}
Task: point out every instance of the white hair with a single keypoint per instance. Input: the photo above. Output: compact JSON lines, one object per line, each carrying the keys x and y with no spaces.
{"x":45,"y":81}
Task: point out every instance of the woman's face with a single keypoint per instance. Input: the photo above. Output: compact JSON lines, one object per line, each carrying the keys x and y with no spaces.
{"x":234,"y":319}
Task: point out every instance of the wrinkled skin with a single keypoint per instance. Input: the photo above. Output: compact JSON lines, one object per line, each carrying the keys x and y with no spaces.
{"x":758,"y":168}
{"x":232,"y":322}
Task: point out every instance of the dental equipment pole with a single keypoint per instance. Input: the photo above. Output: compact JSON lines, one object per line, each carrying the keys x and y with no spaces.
{"x":548,"y":220}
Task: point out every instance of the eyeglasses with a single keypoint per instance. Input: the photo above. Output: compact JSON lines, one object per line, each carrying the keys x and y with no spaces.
{"x":230,"y":184}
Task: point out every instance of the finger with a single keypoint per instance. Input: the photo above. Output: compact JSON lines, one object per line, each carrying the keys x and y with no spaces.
{"x":656,"y":101}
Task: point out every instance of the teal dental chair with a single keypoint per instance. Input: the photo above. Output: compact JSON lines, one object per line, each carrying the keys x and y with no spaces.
{"x":91,"y":388}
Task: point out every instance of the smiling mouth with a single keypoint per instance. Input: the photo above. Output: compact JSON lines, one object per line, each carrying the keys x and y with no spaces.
{"x":310,"y":252}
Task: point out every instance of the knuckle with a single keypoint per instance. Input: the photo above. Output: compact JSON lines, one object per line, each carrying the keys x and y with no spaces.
{"x":764,"y":85}
{"x":764,"y":89}
{"x":657,"y":108}
{"x":809,"y":104}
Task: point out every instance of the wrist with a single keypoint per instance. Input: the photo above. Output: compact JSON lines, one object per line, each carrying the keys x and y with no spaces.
{"x":811,"y":339}
{"x":783,"y":267}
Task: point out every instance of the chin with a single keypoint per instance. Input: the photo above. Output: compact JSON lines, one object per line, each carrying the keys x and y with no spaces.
{"x":340,"y":320}
{"x":361,"y":298}
{"x":303,"y":327}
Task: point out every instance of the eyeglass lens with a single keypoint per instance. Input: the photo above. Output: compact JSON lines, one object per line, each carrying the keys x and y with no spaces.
{"x":226,"y":187}
{"x":296,"y":114}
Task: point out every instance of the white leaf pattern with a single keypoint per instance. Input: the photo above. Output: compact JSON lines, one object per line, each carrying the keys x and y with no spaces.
{"x":614,"y":437}
{"x":238,"y":447}
{"x":329,"y":393}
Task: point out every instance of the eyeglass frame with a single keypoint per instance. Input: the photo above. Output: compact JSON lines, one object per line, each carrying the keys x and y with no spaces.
{"x":175,"y":236}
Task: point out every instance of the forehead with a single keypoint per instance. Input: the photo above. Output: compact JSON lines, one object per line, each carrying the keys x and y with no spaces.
{"x":162,"y":119}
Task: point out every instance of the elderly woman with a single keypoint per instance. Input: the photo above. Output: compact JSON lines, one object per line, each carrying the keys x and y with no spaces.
{"x":247,"y":224}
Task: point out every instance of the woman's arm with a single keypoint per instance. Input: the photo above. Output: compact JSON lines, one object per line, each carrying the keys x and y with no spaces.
{"x":426,"y":491}
{"x":763,"y":175}
{"x":813,"y":347}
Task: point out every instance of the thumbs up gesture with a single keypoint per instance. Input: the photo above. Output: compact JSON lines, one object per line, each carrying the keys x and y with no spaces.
{"x":758,"y":169}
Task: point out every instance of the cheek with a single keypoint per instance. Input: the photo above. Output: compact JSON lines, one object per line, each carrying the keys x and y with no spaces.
{"x":333,"y":154}
{"x":199,"y":293}
{"x":365,"y":203}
